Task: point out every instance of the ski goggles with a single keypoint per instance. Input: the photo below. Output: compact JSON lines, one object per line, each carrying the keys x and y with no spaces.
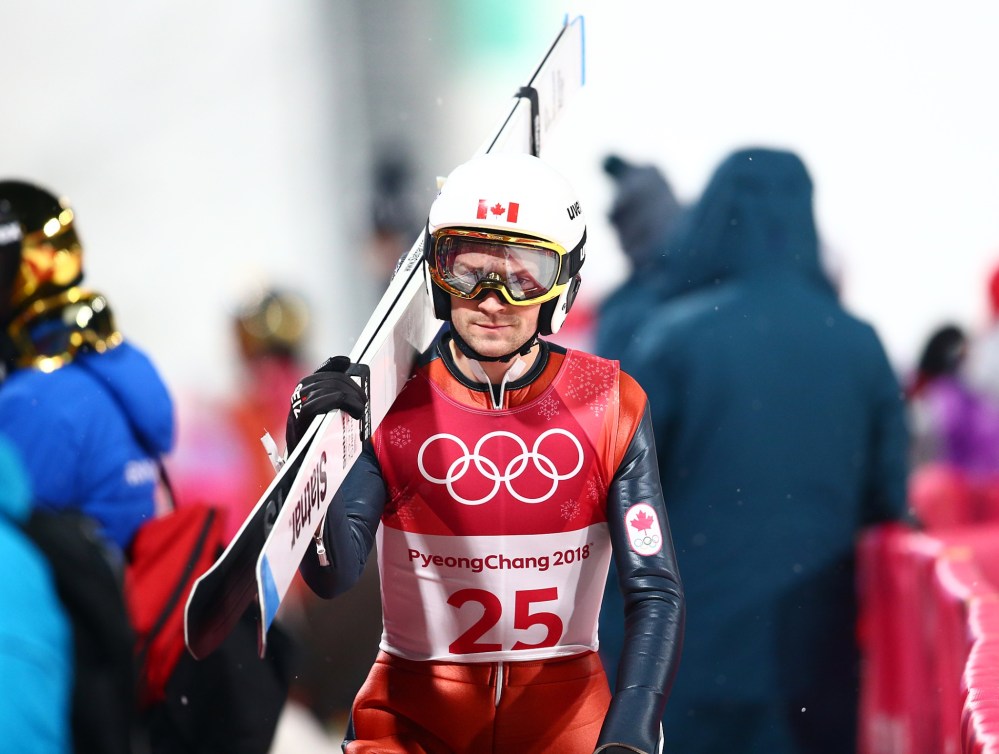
{"x":51,"y":331}
{"x":524,"y":271}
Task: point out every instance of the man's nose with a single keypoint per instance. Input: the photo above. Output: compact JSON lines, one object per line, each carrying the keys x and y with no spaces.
{"x":491,"y":301}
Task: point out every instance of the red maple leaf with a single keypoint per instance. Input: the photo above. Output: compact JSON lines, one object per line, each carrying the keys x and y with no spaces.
{"x":497,"y":209}
{"x":642,"y":522}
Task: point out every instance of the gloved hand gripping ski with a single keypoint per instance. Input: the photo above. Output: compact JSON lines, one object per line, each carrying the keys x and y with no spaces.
{"x":328,"y":388}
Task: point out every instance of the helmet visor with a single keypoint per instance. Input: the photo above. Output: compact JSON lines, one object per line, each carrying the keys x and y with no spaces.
{"x":52,"y":330}
{"x":523,"y":271}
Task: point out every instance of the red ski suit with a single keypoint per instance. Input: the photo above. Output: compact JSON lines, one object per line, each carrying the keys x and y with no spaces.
{"x":496,"y":512}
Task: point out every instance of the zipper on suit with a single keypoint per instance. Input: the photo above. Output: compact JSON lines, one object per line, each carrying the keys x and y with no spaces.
{"x":499,"y":684}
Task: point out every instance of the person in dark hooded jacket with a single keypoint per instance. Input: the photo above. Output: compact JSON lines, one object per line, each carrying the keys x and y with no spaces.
{"x":781,"y":433}
{"x":643,"y":214}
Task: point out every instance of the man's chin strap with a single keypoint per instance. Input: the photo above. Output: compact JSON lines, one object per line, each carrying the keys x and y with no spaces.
{"x":473,"y":354}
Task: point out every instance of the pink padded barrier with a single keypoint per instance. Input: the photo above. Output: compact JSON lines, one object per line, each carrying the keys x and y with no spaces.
{"x":980,"y":715}
{"x":897,"y":695}
{"x":958,"y":584}
{"x":918,"y":593}
{"x":987,"y":497}
{"x":943,"y":496}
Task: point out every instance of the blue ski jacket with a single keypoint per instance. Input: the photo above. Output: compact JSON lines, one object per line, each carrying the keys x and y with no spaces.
{"x":35,"y":641}
{"x":89,"y":434}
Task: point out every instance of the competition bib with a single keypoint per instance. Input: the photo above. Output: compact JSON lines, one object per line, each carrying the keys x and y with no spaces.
{"x":483,"y":599}
{"x":494,"y":543}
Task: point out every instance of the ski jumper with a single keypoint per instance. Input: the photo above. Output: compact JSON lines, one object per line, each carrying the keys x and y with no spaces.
{"x":496,"y":512}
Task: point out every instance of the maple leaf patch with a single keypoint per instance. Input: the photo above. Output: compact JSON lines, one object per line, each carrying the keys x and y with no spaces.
{"x":643,"y":521}
{"x":644,"y":533}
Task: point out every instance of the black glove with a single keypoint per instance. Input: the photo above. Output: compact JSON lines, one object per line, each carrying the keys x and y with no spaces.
{"x":324,"y":390}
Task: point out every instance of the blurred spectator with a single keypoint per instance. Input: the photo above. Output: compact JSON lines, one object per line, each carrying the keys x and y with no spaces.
{"x":954,"y":396}
{"x":955,"y":436}
{"x":36,"y":660}
{"x":85,"y":408}
{"x":780,"y":431}
{"x":942,"y":356}
{"x":643,"y":213}
{"x":952,"y":423}
{"x":395,"y":224}
{"x":940,"y":493}
{"x":87,"y":412}
{"x":220,"y":458}
{"x":91,"y":417}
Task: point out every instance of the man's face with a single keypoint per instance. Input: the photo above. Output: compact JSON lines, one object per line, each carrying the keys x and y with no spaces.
{"x":491,"y":326}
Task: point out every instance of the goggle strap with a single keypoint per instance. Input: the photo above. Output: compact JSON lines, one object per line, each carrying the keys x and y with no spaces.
{"x":573,"y":262}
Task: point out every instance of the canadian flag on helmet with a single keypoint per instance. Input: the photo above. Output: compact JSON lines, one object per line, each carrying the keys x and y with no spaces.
{"x":497,"y":210}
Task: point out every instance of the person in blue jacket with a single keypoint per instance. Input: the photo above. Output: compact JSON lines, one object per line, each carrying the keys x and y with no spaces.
{"x":88,"y":411}
{"x":36,"y":662}
{"x":781,"y":433}
{"x":89,"y":416}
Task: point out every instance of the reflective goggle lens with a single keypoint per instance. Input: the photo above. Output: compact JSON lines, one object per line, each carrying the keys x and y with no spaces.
{"x":52,"y":330}
{"x":466,"y":265}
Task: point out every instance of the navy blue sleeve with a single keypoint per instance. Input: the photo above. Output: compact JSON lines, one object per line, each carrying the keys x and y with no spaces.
{"x":349,"y":528}
{"x":653,"y":603}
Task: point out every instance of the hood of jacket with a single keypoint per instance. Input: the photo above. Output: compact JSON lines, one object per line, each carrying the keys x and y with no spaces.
{"x":755,"y":217}
{"x":132,"y":380}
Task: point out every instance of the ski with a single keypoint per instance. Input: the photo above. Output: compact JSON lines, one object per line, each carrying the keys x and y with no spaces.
{"x":259,"y":564}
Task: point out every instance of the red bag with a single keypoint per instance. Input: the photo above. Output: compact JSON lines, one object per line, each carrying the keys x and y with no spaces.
{"x":166,"y":557}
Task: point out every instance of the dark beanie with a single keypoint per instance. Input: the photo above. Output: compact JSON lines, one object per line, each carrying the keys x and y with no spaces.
{"x":644,"y":209}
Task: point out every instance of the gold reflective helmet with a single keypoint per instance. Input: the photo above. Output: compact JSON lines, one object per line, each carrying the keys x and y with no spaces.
{"x":273,"y":323}
{"x":45,"y":316}
{"x":49,"y":259}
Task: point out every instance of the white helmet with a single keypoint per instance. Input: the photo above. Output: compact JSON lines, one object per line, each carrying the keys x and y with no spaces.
{"x":519,"y":213}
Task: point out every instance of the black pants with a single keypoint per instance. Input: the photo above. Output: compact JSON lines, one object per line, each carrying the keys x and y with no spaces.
{"x":227,"y":703}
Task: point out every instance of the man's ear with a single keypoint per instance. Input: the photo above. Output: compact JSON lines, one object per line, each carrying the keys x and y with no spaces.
{"x":553,"y":313}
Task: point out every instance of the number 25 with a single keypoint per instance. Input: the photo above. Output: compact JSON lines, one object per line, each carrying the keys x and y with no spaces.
{"x":523,"y":618}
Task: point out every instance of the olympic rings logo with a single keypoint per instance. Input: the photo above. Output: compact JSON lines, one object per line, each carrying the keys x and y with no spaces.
{"x":490,"y":470}
{"x":648,"y":540}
